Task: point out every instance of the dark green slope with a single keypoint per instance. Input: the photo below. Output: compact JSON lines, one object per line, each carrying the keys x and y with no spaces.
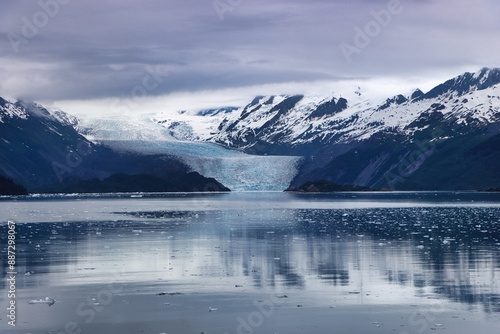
{"x":9,"y":187}
{"x":460,"y":164}
{"x":468,"y":162}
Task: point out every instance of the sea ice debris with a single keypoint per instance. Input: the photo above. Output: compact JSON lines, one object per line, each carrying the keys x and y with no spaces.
{"x":49,"y":301}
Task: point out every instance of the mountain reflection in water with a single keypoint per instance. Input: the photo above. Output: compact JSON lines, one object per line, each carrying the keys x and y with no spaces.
{"x":374,"y":255}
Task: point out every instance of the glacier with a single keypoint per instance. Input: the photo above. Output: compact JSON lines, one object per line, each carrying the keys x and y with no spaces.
{"x":236,"y":170}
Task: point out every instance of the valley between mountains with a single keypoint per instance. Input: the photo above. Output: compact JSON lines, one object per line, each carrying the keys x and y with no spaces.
{"x":445,"y":139}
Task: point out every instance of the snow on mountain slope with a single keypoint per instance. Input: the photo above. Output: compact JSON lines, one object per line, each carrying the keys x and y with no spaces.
{"x":22,"y":110}
{"x":34,"y":143}
{"x":236,"y":170}
{"x":193,"y":126}
{"x":121,"y":128}
{"x":470,"y":101}
{"x":10,"y":110}
{"x":471,"y":98}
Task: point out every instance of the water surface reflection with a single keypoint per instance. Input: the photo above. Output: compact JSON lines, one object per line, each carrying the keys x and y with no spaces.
{"x":377,"y":256}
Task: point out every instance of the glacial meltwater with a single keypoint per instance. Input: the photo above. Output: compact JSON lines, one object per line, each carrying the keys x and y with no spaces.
{"x":256,"y":262}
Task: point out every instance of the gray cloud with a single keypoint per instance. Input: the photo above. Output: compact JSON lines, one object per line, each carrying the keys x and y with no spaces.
{"x":97,"y":49}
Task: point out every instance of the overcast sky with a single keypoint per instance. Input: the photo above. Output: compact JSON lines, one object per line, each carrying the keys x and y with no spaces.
{"x":191,"y":53}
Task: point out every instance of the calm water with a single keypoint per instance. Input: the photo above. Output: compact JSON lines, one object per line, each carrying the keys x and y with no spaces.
{"x":255,"y":263}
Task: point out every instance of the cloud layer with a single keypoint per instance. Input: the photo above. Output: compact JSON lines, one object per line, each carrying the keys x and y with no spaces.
{"x":55,"y":50}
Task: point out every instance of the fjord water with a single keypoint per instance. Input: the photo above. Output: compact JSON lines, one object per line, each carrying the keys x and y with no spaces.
{"x":255,"y":263}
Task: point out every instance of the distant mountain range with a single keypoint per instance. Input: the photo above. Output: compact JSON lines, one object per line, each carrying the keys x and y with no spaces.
{"x":445,"y":139}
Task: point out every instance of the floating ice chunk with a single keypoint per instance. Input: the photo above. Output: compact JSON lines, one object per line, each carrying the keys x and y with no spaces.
{"x":49,"y":301}
{"x":169,"y":293}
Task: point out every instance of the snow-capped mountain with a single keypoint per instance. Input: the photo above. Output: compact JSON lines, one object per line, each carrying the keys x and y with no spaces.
{"x":293,"y":121}
{"x":447,"y":138}
{"x":33,"y":141}
{"x":43,"y":151}
{"x":360,"y":140}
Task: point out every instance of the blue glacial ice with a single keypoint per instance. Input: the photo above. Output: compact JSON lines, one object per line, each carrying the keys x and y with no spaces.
{"x":236,"y":170}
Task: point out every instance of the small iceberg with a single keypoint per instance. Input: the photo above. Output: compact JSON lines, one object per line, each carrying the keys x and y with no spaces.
{"x":49,"y":301}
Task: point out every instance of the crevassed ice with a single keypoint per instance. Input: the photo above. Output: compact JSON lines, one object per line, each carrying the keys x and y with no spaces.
{"x":236,"y":170}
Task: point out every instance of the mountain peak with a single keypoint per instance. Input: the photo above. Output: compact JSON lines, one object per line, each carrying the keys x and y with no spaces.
{"x":466,"y":82}
{"x":487,"y":77}
{"x":10,"y":110}
{"x":396,"y":100}
{"x":417,"y":93}
{"x":64,"y":118}
{"x":33,"y":108}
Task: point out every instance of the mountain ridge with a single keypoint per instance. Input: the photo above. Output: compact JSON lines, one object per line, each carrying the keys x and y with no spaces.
{"x":376,"y":135}
{"x":297,"y":120}
{"x":411,"y":141}
{"x":43,"y":151}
